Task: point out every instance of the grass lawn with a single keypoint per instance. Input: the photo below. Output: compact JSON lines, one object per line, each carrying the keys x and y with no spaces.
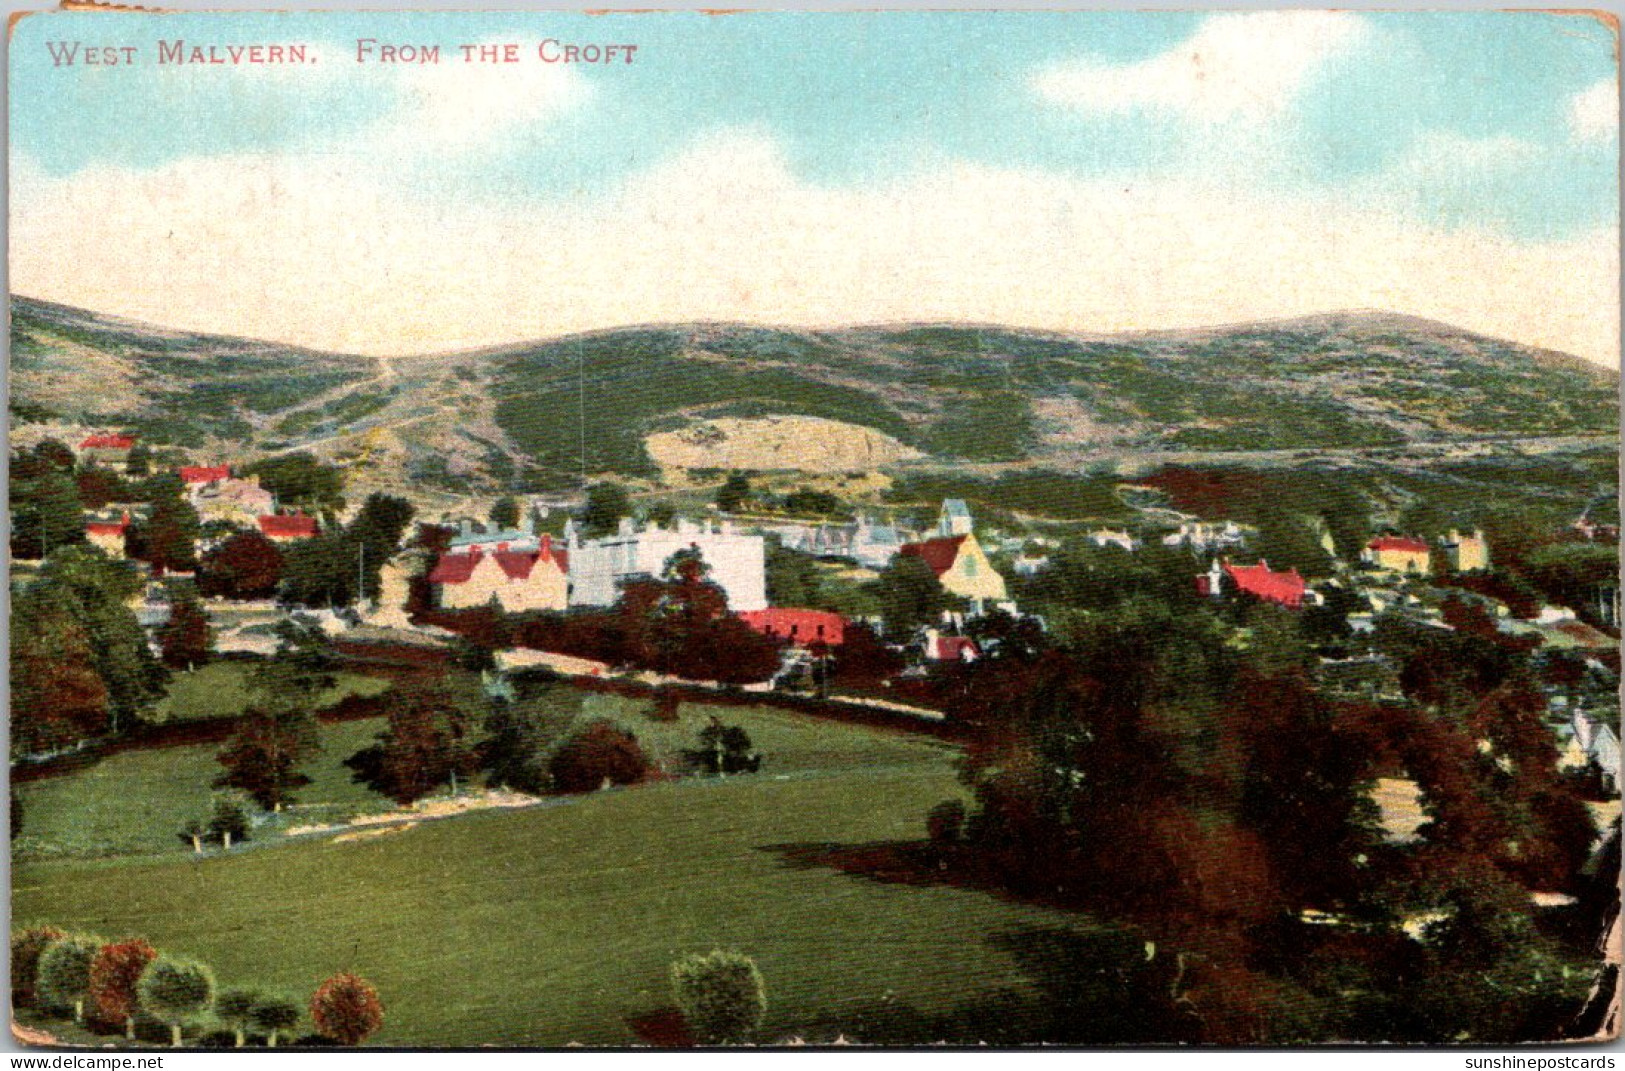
{"x":556,"y":923}
{"x":221,"y":690}
{"x":559,"y":923}
{"x":135,"y":802}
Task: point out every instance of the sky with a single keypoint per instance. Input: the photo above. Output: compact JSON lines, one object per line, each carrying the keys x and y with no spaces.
{"x":1080,"y":171}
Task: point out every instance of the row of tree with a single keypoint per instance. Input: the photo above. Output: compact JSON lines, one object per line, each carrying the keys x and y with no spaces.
{"x":120,"y":983}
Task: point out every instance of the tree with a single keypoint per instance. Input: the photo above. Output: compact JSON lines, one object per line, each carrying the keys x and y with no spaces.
{"x":96,"y":592}
{"x":176,"y":992}
{"x":346,"y":1009}
{"x":27,"y":946}
{"x":15,"y":811}
{"x":186,"y":638}
{"x":519,"y":736}
{"x":246,"y":566}
{"x":275,"y":1015}
{"x":425,"y":745}
{"x":235,"y":1008}
{"x":228,"y":821}
{"x":734,"y":492}
{"x":505,"y":513}
{"x":607,"y":503}
{"x":320,"y":571}
{"x":792,"y":579}
{"x":57,"y":697}
{"x":263,"y":759}
{"x":115,"y":972}
{"x":299,"y":480}
{"x":167,"y":539}
{"x":64,"y":973}
{"x":722,"y":996}
{"x":375,"y":534}
{"x":724,"y":749}
{"x":911,"y":596}
{"x":601,"y":753}
{"x":138,"y":462}
{"x":46,"y":514}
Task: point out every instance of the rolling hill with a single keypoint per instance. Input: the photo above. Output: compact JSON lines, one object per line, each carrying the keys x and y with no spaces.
{"x":534,"y":414}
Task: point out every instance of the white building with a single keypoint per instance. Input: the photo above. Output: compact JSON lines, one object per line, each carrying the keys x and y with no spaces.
{"x":598,"y":567}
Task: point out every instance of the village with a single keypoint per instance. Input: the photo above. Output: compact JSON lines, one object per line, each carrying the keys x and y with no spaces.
{"x":238,"y":611}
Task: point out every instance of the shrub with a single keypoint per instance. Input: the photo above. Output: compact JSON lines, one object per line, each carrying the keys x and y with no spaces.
{"x":176,"y":992}
{"x":26,"y":948}
{"x":64,"y":973}
{"x":599,"y":753}
{"x":275,"y":1015}
{"x":233,"y":1008}
{"x":945,"y":823}
{"x":346,"y":1008}
{"x":724,"y":749}
{"x":228,"y":823}
{"x":114,"y":975}
{"x":721,"y":995}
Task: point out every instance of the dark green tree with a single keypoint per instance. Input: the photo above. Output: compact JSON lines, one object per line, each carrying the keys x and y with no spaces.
{"x":176,"y":992}
{"x":64,"y":973}
{"x":299,"y":480}
{"x":607,"y":503}
{"x":505,"y":513}
{"x":733,"y":494}
{"x":910,"y":595}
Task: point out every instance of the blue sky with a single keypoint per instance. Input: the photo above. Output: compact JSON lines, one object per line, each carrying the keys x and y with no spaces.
{"x":1493,"y":129}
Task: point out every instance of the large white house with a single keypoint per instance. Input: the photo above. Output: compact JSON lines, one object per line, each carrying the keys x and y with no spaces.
{"x":598,"y":567}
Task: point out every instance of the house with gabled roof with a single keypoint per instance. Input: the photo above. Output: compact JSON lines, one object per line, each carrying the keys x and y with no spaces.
{"x":199,"y":475}
{"x":1402,"y":554}
{"x":1260,"y":581}
{"x":287,"y":527}
{"x":962,"y":566}
{"x":513,"y":580}
{"x":109,"y":536}
{"x":106,"y":449}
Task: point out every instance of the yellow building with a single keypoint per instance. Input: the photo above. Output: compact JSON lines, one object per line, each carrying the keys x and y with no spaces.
{"x":1464,"y":553}
{"x":962,"y":567}
{"x":514,"y":580}
{"x":109,"y":535}
{"x":1399,"y":553}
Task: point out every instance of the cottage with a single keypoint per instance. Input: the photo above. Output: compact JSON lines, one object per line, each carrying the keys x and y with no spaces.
{"x":799,"y":628}
{"x":287,"y":527}
{"x":110,"y":536}
{"x":738,"y":562}
{"x":202,"y":475}
{"x":1402,"y":554}
{"x":963,"y":568}
{"x":514,"y":580}
{"x":1286,"y":589}
{"x":106,"y":449}
{"x":1465,"y":552}
{"x":944,"y":648}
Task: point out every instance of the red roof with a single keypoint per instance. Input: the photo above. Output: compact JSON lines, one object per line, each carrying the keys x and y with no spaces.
{"x":108,"y":442}
{"x":107,"y":528}
{"x":1400,"y":543}
{"x":799,"y":626}
{"x":288,"y":526}
{"x":204,"y":473}
{"x":458,"y":567}
{"x":454,"y":568}
{"x":1285,"y":588}
{"x":940,"y":554}
{"x":953,"y":649}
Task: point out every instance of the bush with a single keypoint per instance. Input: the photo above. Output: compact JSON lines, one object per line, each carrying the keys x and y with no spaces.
{"x":275,"y":1015}
{"x":346,"y":1008}
{"x":945,"y":824}
{"x":64,"y":973}
{"x":26,"y":948}
{"x":721,"y":995}
{"x":114,"y":975}
{"x":228,"y":824}
{"x":176,"y":992}
{"x":233,"y":1008}
{"x":598,"y":754}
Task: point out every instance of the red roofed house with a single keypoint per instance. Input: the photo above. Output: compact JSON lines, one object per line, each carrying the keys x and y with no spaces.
{"x":961,"y":565}
{"x":516,"y":580}
{"x":941,"y":648}
{"x":799,"y":627}
{"x":1402,"y":554}
{"x":106,"y":449}
{"x":109,"y":535}
{"x":202,"y":474}
{"x":285,"y":527}
{"x":1287,"y":589}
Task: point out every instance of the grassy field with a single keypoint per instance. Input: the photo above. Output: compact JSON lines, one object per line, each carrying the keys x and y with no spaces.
{"x":558,"y":923}
{"x":221,"y":690}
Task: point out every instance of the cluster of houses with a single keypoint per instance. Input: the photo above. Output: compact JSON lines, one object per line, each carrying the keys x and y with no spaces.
{"x":216,"y":494}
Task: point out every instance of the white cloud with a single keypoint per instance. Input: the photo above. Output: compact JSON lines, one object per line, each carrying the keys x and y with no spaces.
{"x":1236,"y":66}
{"x":1594,"y":112}
{"x":326,"y":253}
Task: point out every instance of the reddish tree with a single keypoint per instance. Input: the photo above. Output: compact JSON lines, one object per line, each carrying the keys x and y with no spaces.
{"x":346,"y":1009}
{"x":601,"y":752}
{"x":26,"y":948}
{"x":425,"y":746}
{"x":57,"y":697}
{"x":185,"y":638}
{"x":113,"y":977}
{"x":263,"y":758}
{"x":246,"y":566}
